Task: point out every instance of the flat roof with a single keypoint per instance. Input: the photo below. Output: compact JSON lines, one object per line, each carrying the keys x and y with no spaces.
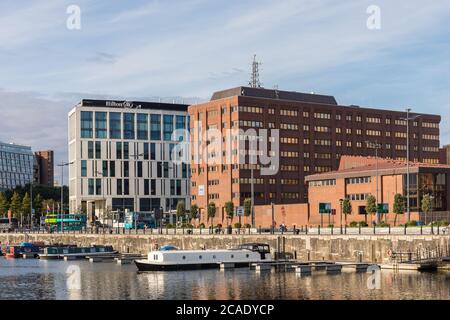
{"x":274,"y":94}
{"x":125,"y":104}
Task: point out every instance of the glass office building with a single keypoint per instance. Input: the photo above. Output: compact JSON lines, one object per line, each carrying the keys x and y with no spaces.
{"x":16,"y":165}
{"x":121,"y":157}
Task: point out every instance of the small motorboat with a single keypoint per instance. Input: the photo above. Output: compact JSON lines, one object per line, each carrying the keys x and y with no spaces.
{"x":168,"y":248}
{"x":166,"y":260}
{"x":25,"y":248}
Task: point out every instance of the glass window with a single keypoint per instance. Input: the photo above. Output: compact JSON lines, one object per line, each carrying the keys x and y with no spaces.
{"x":119,"y":150}
{"x":90,"y":186}
{"x":98,"y":149}
{"x":128,"y":126}
{"x":98,"y":186}
{"x":142,"y":126}
{"x":86,"y":124}
{"x":126,"y":152}
{"x":112,"y":169}
{"x":90,"y":149}
{"x":115,"y":125}
{"x":146,"y":154}
{"x":126,"y":169}
{"x":155,"y":127}
{"x":119,"y":186}
{"x":105,"y":168}
{"x":100,"y":125}
{"x":152,"y":151}
{"x":146,"y":187}
{"x":126,"y":186}
{"x":153,"y":187}
{"x":168,"y":127}
{"x":139,"y":169}
{"x":83,"y":168}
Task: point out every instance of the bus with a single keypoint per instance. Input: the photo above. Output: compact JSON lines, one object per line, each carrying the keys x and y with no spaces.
{"x":70,"y":222}
{"x":8,"y":225}
{"x":139,"y":220}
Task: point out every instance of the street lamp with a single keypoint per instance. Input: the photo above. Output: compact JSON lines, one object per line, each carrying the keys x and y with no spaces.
{"x":103,"y":195}
{"x":62,"y":165}
{"x":408,"y":119}
{"x":340,"y":203}
{"x":431,"y":209}
{"x":135,"y":158}
{"x":163,"y":187}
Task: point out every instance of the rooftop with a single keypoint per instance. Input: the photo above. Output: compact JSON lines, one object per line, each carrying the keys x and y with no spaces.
{"x":368,"y":165}
{"x":124,"y":104}
{"x":274,"y":94}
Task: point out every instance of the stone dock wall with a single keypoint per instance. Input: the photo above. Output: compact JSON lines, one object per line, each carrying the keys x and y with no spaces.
{"x":368,"y":248}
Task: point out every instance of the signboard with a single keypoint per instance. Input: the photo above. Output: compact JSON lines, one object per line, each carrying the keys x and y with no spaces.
{"x":325,"y":208}
{"x":239,"y":211}
{"x":383,"y":208}
{"x":201,"y":190}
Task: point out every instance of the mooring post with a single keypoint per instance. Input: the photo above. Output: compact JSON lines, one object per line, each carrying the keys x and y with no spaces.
{"x":404,"y":229}
{"x":421,"y":229}
{"x":306,"y":229}
{"x":389,"y":228}
{"x":318,"y":229}
{"x":332,"y":229}
{"x":374,"y":230}
{"x":359,"y":228}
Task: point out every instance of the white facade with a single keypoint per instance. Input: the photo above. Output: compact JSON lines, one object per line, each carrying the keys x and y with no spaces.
{"x":119,"y":160}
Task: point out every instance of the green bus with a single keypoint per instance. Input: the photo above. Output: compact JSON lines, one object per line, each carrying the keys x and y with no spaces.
{"x":70,"y":222}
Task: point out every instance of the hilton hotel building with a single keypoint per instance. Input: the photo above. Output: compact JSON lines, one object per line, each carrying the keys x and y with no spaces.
{"x":120,"y":157}
{"x":315,"y":131}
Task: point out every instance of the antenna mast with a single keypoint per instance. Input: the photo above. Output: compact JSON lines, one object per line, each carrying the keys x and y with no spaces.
{"x":254,"y":81}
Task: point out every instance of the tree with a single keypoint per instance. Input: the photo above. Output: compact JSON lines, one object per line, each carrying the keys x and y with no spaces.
{"x":181,"y":209}
{"x":229,"y":209}
{"x":194,"y":211}
{"x":4,"y":204}
{"x":346,"y":208}
{"x":371,"y":205}
{"x":37,"y":205}
{"x":399,"y":206}
{"x":16,"y":205}
{"x":26,"y":206}
{"x":211,"y":211}
{"x":426,"y":205}
{"x":247,"y":207}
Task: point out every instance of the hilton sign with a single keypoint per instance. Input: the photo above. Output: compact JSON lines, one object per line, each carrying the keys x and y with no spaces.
{"x":124,"y":104}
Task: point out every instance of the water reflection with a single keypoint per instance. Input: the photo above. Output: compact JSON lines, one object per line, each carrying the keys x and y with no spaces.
{"x":36,"y":279}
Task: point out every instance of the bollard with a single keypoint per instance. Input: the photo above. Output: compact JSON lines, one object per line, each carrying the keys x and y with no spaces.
{"x":345,"y":229}
{"x":374,"y":230}
{"x":306,"y":229}
{"x":359,"y":228}
{"x":438,"y":229}
{"x":167,"y":230}
{"x":332,"y":229}
{"x":421,"y":230}
{"x":259,"y":229}
{"x":318,"y":230}
{"x":340,"y":231}
{"x":404,"y":229}
{"x":200,"y":230}
{"x":294,"y":230}
{"x":389,"y":228}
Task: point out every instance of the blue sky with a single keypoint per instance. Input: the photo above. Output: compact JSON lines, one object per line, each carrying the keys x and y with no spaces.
{"x":185,"y":50}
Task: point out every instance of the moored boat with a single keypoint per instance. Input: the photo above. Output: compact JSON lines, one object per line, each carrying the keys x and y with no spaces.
{"x":17,"y":251}
{"x":77,"y":252}
{"x":166,"y":260}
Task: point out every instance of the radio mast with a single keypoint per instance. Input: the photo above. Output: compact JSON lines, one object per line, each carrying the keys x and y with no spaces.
{"x":254,"y":81}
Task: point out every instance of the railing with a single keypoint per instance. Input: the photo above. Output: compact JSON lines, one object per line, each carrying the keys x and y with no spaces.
{"x":303,"y":230}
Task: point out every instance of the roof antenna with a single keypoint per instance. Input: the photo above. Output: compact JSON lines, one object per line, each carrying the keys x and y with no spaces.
{"x":254,"y":80}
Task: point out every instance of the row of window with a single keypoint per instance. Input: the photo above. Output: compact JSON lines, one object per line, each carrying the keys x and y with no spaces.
{"x":131,"y":126}
{"x":123,"y":187}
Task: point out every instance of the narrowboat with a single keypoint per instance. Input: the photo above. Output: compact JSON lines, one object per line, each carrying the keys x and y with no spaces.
{"x":167,"y":260}
{"x":24,"y":248}
{"x":77,"y":252}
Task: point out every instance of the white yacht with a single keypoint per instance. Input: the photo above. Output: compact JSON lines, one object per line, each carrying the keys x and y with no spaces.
{"x":242,"y":256}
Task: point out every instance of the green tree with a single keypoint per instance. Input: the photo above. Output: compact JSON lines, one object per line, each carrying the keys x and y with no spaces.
{"x":181,"y":209}
{"x":211,"y":211}
{"x":194,"y":211}
{"x":229,"y":209}
{"x":371,"y":206}
{"x":399,"y":206}
{"x":427,"y":205}
{"x":37,"y":205}
{"x":346,"y":208}
{"x":26,"y":206}
{"x":16,"y":205}
{"x":4,"y":204}
{"x":247,"y":207}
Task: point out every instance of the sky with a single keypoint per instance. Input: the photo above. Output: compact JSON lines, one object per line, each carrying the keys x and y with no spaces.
{"x":185,"y":50}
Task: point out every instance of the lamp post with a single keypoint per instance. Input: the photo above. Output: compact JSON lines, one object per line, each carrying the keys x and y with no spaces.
{"x":340,"y":204}
{"x":408,"y":119}
{"x":135,"y":158}
{"x":252,"y":191}
{"x":62,"y":165}
{"x":431,"y":209}
{"x":103,"y":196}
{"x":164,"y":186}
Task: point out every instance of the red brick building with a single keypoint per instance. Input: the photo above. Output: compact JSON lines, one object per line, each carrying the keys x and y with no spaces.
{"x":44,"y":168}
{"x":314,"y":132}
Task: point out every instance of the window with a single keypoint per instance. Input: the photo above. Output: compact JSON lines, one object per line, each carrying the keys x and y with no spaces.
{"x":86,"y":124}
{"x":115,"y":125}
{"x":358,"y":180}
{"x":104,"y":168}
{"x":322,"y":115}
{"x":139,"y":169}
{"x":100,"y":125}
{"x":180,"y":124}
{"x":119,"y":187}
{"x":112,"y":169}
{"x":98,"y":186}
{"x":142,"y":126}
{"x":98,"y":150}
{"x":126,"y":186}
{"x":118,"y":150}
{"x":146,"y":154}
{"x":91,"y":186}
{"x":126,"y":149}
{"x":152,"y":151}
{"x":128,"y":126}
{"x":146,"y":187}
{"x":155,"y":127}
{"x":322,"y":183}
{"x":126,"y":169}
{"x":90,"y":149}
{"x":83,"y":168}
{"x":168,"y":127}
